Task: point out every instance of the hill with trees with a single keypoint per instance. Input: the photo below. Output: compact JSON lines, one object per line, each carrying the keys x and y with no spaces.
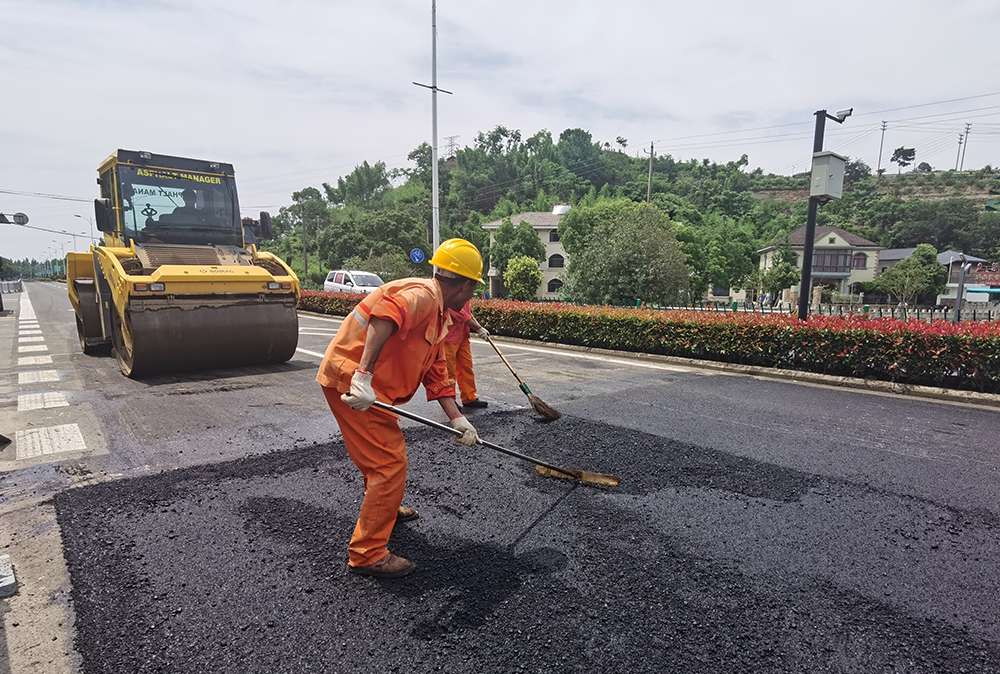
{"x":719,"y":214}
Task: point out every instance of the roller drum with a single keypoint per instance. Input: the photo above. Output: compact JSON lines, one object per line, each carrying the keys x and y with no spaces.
{"x":181,"y":335}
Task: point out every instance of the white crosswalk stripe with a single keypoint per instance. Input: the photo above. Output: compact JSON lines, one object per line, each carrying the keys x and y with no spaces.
{"x":50,"y":440}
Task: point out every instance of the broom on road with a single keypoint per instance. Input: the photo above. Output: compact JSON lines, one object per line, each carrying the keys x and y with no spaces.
{"x":541,"y":467}
{"x":537,"y":403}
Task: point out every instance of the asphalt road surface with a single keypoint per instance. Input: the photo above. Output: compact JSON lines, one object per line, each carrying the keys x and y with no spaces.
{"x":199,"y":522}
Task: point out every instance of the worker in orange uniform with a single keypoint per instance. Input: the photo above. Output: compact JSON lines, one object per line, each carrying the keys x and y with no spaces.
{"x":389,"y":345}
{"x":459,"y":355}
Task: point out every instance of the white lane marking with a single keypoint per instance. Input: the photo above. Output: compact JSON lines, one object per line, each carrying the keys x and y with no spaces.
{"x":34,"y":360}
{"x":551,"y":352}
{"x":322,"y":319}
{"x":50,"y":440}
{"x":40,"y":401}
{"x":31,"y":339}
{"x":37,"y":376}
{"x":28,"y":332}
{"x":29,"y":349}
{"x":319,"y":332}
{"x":27,"y":311}
{"x":603,"y":359}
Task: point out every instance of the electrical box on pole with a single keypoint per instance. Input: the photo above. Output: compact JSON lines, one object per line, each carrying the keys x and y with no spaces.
{"x":827,"y":176}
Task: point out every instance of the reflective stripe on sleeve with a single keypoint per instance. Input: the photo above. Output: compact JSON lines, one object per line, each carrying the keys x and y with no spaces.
{"x":359,"y":318}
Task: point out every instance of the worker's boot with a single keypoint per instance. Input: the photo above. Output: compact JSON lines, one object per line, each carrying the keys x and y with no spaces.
{"x":405,"y":514}
{"x":390,"y":566}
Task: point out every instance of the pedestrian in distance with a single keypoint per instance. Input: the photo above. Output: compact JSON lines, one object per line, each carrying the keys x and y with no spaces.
{"x":389,"y":345}
{"x":458,"y":353}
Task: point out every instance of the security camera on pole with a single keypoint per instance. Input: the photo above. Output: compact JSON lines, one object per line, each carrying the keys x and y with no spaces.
{"x":827,"y":183}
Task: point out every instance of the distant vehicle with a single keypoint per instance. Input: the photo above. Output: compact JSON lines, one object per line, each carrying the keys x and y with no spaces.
{"x":348,"y":281}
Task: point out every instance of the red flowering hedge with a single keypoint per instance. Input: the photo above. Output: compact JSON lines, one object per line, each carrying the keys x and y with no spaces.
{"x":935,"y":354}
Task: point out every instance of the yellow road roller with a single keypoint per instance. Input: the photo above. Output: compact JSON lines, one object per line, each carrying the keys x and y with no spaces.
{"x":177,"y":282}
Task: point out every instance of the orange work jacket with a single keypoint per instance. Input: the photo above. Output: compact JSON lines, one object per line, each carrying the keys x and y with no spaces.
{"x":412,"y":356}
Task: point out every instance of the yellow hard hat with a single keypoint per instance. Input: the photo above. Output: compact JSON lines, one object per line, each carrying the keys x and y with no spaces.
{"x":461,"y":257}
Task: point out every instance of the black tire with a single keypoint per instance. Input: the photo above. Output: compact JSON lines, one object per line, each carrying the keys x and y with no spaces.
{"x":124,"y":349}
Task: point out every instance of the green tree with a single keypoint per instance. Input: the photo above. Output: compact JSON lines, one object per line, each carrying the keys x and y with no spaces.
{"x":981,"y":237}
{"x":510,"y":242}
{"x":779,"y":277}
{"x":389,"y":266}
{"x":924,"y":256}
{"x":633,"y":256}
{"x":855,"y":170}
{"x":300,"y":225}
{"x":522,"y":277}
{"x":903,"y":280}
{"x":938,"y":223}
{"x":363,"y":186}
{"x":785,"y":254}
{"x":903,"y":157}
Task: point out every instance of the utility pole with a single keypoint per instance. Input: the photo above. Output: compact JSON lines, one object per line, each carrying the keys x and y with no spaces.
{"x":957,"y":156}
{"x":968,"y":129}
{"x":649,"y":183}
{"x":305,"y":255}
{"x":451,"y":146}
{"x":878,"y":169}
{"x":435,"y":207}
{"x":805,"y":285}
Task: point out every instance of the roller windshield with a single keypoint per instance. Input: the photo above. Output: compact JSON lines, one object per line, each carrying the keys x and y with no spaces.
{"x":172,"y":206}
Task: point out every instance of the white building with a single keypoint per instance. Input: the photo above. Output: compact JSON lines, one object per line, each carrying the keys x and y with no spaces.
{"x":553,"y":268}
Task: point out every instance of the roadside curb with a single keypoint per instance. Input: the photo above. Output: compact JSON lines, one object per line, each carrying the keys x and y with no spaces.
{"x":984,"y":400}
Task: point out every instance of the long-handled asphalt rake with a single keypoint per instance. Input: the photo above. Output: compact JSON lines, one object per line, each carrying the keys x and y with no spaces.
{"x":536,"y":403}
{"x":541,"y":467}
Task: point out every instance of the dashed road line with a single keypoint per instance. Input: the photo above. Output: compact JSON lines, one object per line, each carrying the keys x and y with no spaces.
{"x":30,"y":339}
{"x":37,"y":376}
{"x":36,"y":442}
{"x":41,"y":401}
{"x":34,"y":360}
{"x":30,"y":349}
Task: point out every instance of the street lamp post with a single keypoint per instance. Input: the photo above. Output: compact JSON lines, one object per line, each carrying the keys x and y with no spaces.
{"x":91,"y":221}
{"x":805,"y":286}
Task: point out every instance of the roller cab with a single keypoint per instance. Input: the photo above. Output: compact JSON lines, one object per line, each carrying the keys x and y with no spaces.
{"x":178,"y":283}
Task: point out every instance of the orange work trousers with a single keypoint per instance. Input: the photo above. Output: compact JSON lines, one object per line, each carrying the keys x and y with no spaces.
{"x":459,"y":358}
{"x":376,"y":446}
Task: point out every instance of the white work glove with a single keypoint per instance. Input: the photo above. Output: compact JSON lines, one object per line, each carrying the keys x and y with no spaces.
{"x":469,"y":435}
{"x":362,"y":394}
{"x":483,"y":333}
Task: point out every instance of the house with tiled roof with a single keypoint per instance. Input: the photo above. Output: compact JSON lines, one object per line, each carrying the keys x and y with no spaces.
{"x":546,"y":225}
{"x":840,"y":258}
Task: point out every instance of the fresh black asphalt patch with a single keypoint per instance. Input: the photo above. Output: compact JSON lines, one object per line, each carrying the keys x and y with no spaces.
{"x":699,"y":562}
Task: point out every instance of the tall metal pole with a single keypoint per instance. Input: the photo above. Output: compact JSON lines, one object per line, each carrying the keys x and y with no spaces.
{"x":435,"y":207}
{"x":966,"y":266}
{"x":959,"y":155}
{"x":968,"y":129}
{"x":649,"y":184}
{"x":805,"y":286}
{"x":878,"y":169}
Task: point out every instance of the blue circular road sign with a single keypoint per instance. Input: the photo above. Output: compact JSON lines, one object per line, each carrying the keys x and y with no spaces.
{"x":417,"y":255}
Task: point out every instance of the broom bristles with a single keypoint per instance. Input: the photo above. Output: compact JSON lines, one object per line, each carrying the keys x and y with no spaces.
{"x":542,"y":408}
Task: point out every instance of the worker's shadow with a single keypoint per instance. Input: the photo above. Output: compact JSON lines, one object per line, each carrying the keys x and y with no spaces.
{"x":470,"y":579}
{"x":466,"y":580}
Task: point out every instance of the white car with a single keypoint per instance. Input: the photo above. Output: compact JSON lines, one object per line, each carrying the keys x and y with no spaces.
{"x":348,"y":281}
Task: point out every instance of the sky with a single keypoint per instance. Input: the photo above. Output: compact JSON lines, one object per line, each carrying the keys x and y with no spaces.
{"x":297,"y":93}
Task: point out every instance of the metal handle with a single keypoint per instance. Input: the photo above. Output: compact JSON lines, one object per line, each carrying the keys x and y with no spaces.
{"x":524,"y":457}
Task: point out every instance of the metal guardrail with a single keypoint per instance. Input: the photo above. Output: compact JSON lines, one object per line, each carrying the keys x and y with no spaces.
{"x":927,"y":314}
{"x":11,"y":286}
